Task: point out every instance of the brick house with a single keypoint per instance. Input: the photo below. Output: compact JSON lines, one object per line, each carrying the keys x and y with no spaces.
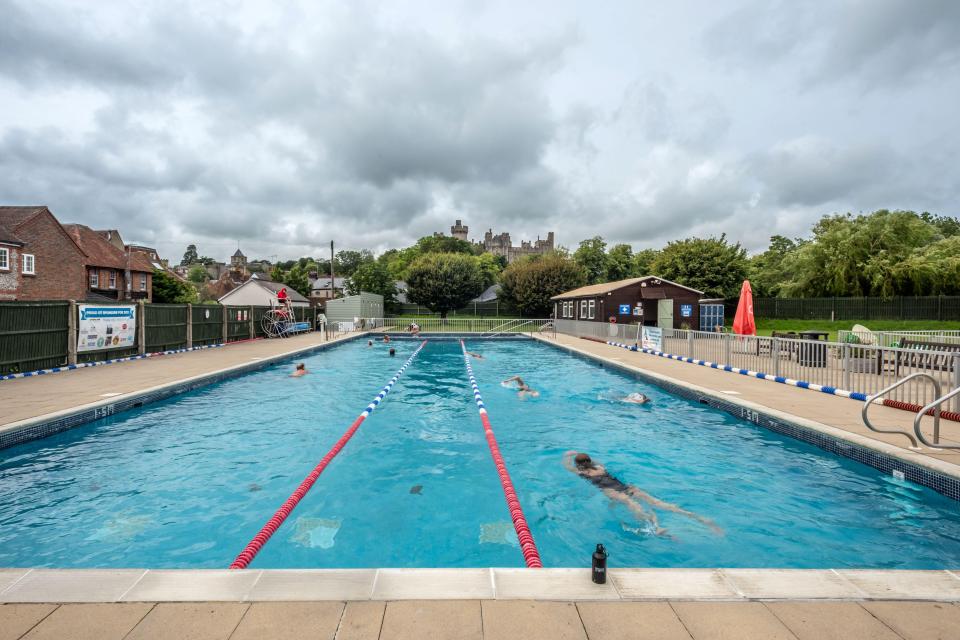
{"x":39,"y":260}
{"x":112,"y":273}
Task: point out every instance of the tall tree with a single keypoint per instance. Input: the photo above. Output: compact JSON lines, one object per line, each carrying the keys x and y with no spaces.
{"x":490,"y":266}
{"x":197,"y":274}
{"x":711,"y":265}
{"x":296,"y":278}
{"x":443,"y":282}
{"x":190,"y":255}
{"x":643,"y":262}
{"x":349,"y":260}
{"x":932,"y":270}
{"x":620,"y":265}
{"x":768,"y":270}
{"x":529,"y":284}
{"x":591,"y":255}
{"x":167,"y":289}
{"x":373,"y":277}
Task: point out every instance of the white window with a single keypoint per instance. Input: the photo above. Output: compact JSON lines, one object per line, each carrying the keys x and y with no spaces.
{"x":113,"y":279}
{"x":143,"y":282}
{"x":591,"y":309}
{"x":4,"y":258}
{"x":29,"y":264}
{"x":568,"y":306}
{"x":94,"y":279}
{"x":583,"y":309}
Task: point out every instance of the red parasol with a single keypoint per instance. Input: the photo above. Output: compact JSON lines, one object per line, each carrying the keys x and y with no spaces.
{"x":743,"y":323}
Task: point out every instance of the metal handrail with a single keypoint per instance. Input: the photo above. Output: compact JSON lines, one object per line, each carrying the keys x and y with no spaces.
{"x":871,"y":399}
{"x":935,"y":405}
{"x":498,"y":330}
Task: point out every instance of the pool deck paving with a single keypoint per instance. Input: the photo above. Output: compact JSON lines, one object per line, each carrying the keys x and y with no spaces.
{"x":476,"y":603}
{"x":482,"y":620}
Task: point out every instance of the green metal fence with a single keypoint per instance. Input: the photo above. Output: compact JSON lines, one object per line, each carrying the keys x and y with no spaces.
{"x":493,"y":308}
{"x":165,"y":327}
{"x":238,"y":323}
{"x":896,"y":308}
{"x":33,"y":335}
{"x":207,"y":324}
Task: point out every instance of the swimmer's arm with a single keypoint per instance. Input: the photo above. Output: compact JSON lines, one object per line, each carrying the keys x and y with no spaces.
{"x":568,"y":461}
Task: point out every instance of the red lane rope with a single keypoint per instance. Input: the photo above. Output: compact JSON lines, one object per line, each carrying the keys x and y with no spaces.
{"x":253,"y":547}
{"x":915,"y":408}
{"x":527,"y":546}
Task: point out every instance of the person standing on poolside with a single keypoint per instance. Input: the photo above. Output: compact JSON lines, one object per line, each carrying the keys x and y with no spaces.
{"x":631,"y":496}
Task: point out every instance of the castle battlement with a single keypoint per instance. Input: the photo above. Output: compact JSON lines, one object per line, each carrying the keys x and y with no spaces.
{"x":501,"y":244}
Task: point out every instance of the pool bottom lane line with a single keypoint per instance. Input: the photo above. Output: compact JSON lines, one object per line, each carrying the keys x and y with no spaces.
{"x":527,"y":545}
{"x":246,"y":556}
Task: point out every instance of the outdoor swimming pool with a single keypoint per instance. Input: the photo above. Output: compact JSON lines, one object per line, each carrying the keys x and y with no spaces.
{"x":188,"y":481}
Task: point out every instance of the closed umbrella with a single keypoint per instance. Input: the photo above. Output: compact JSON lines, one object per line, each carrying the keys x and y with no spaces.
{"x":743,"y":323}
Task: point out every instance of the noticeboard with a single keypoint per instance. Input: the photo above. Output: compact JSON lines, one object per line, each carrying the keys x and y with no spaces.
{"x":106,"y":327}
{"x":652,"y":338}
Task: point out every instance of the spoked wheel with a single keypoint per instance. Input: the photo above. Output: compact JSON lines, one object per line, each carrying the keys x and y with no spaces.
{"x":274,"y":323}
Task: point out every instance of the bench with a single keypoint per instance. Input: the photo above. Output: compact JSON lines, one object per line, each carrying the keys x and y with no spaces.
{"x":927,"y":356}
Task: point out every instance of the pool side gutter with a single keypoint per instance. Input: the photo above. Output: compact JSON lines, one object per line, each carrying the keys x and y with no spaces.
{"x":939,"y":475}
{"x":41,"y":426}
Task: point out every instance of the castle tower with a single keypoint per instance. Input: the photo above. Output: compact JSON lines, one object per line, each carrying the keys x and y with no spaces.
{"x":238,"y":261}
{"x":459,"y":231}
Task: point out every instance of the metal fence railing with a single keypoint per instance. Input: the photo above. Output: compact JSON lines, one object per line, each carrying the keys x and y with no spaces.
{"x":897,"y":338}
{"x":854,"y":367}
{"x":491,"y":325}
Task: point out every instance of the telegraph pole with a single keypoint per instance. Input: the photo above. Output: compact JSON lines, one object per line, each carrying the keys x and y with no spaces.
{"x":333,"y":290}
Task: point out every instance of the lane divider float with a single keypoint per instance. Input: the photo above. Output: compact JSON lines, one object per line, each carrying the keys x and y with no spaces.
{"x":253,"y":547}
{"x":527,"y":545}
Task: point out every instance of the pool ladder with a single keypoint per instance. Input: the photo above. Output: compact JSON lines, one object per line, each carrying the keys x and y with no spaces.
{"x":917,"y":436}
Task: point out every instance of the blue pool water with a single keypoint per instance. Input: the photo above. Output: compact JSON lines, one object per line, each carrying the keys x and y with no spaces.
{"x":187,"y":482}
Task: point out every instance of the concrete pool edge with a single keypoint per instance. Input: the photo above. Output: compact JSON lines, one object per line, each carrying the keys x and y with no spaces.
{"x":41,"y":426}
{"x":19,"y":586}
{"x":917,"y":467}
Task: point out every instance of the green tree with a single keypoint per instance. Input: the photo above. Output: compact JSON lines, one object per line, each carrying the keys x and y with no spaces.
{"x":947,"y":225}
{"x":768,"y":270}
{"x":167,"y":289}
{"x":528,"y":284}
{"x":446,"y":244}
{"x":276,"y":273}
{"x":620,"y":264}
{"x":197,"y":274}
{"x":643,"y":262}
{"x":711,"y":265}
{"x":858,"y":255}
{"x":444,"y":281}
{"x":932,"y":270}
{"x":490,"y":267}
{"x":296,"y":278}
{"x":349,"y":260}
{"x":591,"y":255}
{"x":373,"y":277}
{"x":190,"y":255}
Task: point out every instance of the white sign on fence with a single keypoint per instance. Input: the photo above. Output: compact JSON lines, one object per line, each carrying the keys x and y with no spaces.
{"x":652,"y":338}
{"x":106,"y":327}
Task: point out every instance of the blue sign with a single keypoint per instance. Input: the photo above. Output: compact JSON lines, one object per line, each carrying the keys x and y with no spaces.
{"x":625,"y":309}
{"x":686,"y":310}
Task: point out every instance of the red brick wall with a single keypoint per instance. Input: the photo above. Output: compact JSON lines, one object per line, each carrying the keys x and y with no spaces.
{"x":59,"y":264}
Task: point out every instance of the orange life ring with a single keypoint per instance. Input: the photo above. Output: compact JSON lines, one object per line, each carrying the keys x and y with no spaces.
{"x":613,"y":319}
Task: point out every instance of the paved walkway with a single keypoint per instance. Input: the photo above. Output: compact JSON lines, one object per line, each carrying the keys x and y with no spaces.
{"x":826,"y":409}
{"x":483,"y":619}
{"x":24,"y":398}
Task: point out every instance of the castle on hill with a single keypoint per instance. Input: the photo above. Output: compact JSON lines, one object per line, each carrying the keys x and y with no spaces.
{"x":501,"y":245}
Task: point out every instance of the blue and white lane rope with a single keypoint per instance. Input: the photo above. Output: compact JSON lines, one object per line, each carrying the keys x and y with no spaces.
{"x":833,"y":391}
{"x":100,"y":363}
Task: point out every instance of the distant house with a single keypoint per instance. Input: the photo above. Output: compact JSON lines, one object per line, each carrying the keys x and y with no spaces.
{"x":258,"y":291}
{"x":39,"y":260}
{"x":320,"y":288}
{"x":112,"y":273}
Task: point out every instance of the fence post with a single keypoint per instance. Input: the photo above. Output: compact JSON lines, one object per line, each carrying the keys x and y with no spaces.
{"x":689,"y":344}
{"x":226,"y":319}
{"x":250,"y":330}
{"x":72,"y":332}
{"x":726,"y":348}
{"x":846,"y":366}
{"x":775,"y":352}
{"x":189,"y":326}
{"x":956,"y":380}
{"x":141,"y":328}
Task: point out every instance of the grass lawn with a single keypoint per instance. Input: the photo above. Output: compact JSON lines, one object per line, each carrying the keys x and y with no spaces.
{"x":767,"y":326}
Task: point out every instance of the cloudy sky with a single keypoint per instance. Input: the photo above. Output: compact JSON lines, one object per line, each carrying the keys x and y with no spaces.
{"x":283,"y":126}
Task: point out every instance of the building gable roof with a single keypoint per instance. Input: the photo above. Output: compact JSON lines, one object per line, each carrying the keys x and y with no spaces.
{"x":607,"y":287}
{"x":269,"y":286}
{"x":99,"y":251}
{"x":17,"y":217}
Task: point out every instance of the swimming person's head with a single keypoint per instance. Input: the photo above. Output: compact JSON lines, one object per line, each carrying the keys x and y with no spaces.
{"x":583,"y":461}
{"x":369,"y":343}
{"x":301,"y":367}
{"x":393,"y":351}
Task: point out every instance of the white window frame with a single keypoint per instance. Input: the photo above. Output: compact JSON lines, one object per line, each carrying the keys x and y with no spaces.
{"x":113,"y":279}
{"x":5,"y":256}
{"x":32,"y":271}
{"x":591,"y":309}
{"x":583,"y":309}
{"x":143,"y":282}
{"x":94,"y":279}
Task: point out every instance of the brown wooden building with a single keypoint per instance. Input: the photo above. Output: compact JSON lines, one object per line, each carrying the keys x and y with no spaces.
{"x":648,"y":300}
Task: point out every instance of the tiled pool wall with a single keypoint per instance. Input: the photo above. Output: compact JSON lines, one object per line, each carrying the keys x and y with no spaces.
{"x":942,"y":483}
{"x":42,"y":429}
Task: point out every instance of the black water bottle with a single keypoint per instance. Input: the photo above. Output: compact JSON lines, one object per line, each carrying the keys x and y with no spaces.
{"x":600,"y":565}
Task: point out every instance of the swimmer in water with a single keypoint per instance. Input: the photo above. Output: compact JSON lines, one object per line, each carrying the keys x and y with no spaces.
{"x":636,"y":398}
{"x":369,"y":343}
{"x":475,"y":355}
{"x":393,"y":352}
{"x":523,"y":389}
{"x":631,"y":496}
{"x":386,"y":338}
{"x":301,"y":370}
